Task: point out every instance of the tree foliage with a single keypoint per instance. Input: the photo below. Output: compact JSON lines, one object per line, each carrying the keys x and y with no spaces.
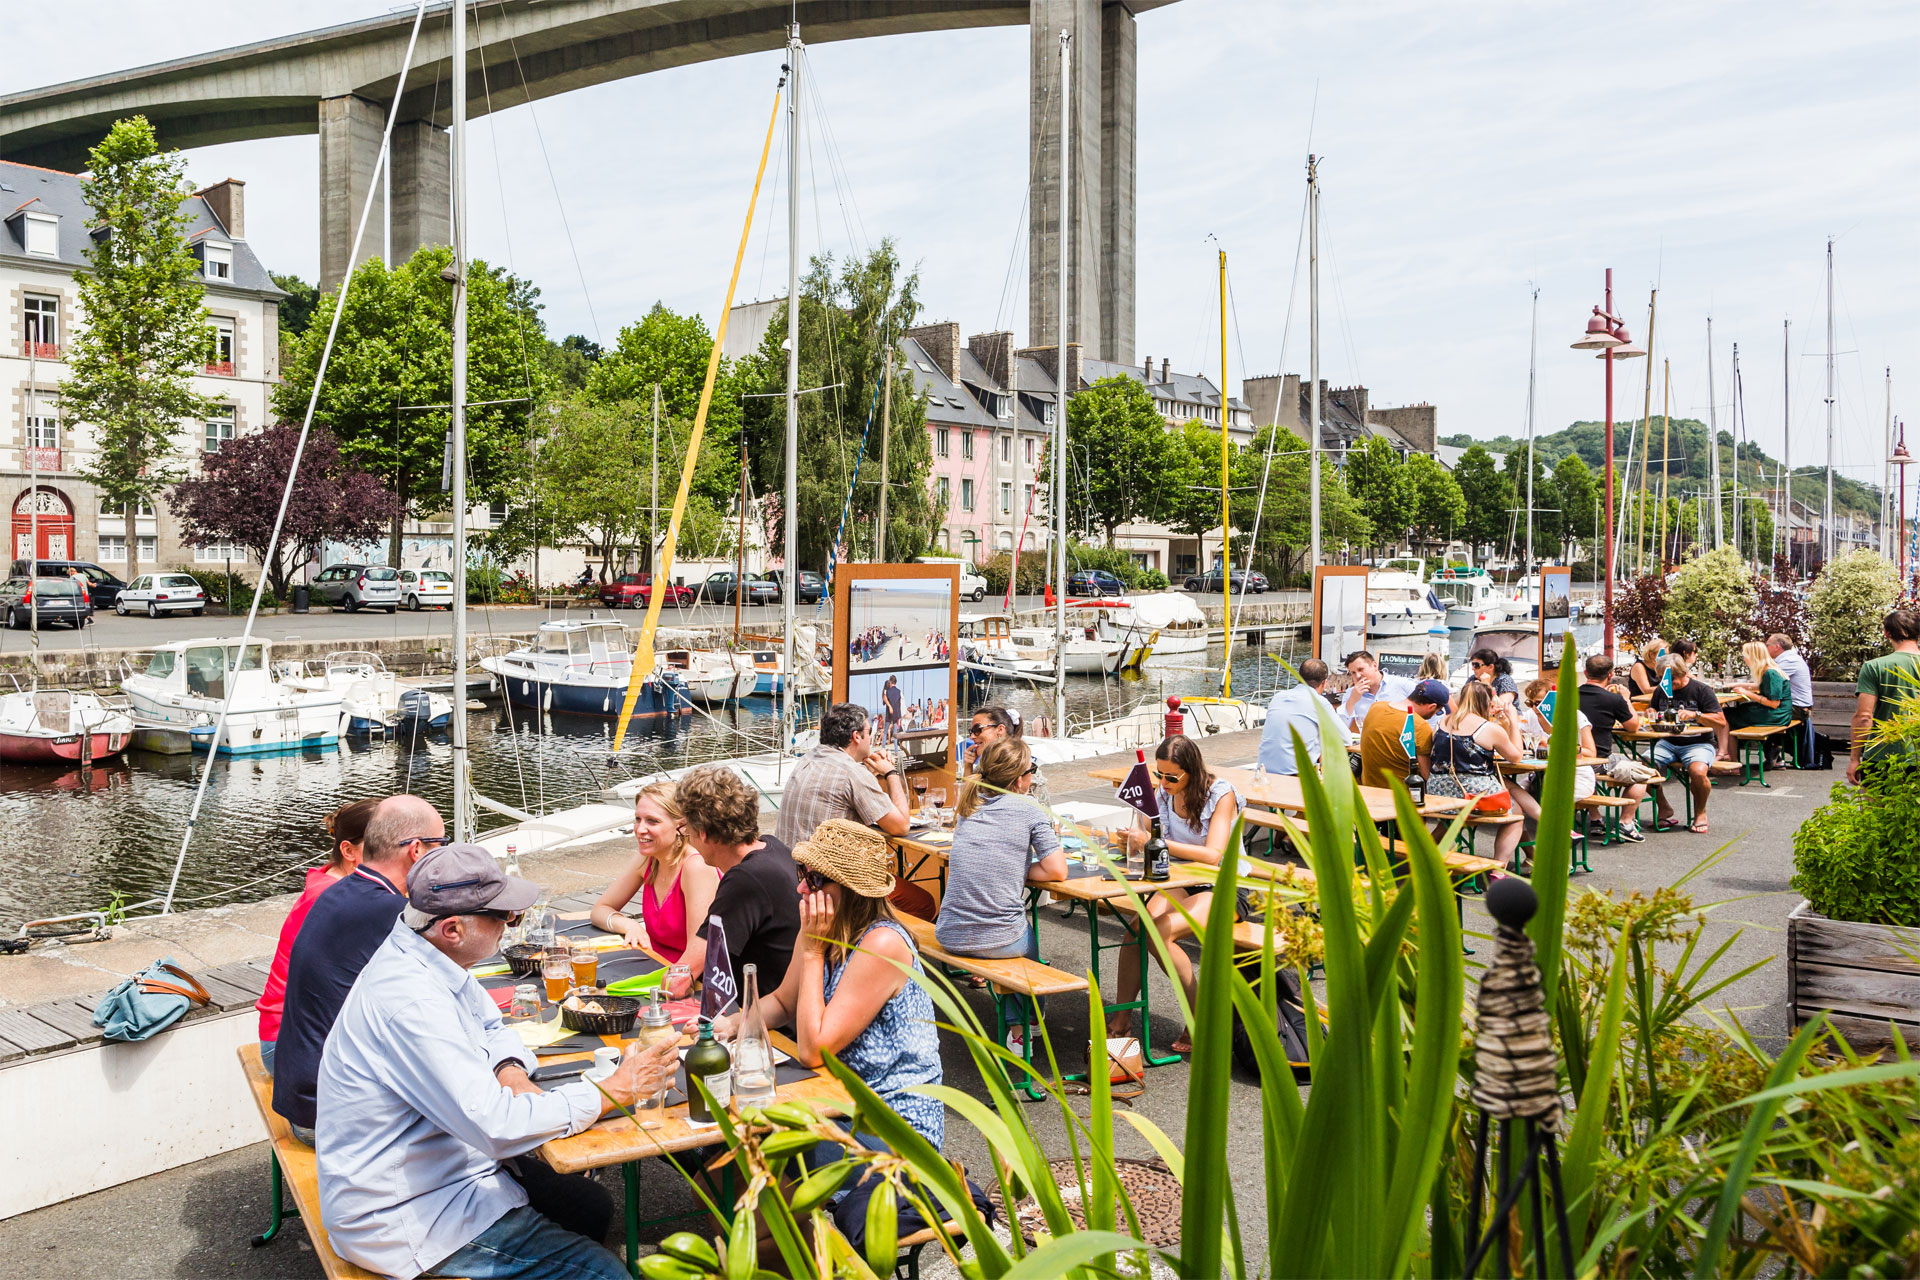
{"x":1384,"y":487}
{"x":1489,"y":498}
{"x":130,"y":367}
{"x":236,"y":498}
{"x":392,"y":365}
{"x":1546,"y":515}
{"x":1579,"y":497}
{"x":297,"y":308}
{"x":1854,"y":593}
{"x":1439,"y":508}
{"x":1129,"y":468}
{"x":1713,"y":604}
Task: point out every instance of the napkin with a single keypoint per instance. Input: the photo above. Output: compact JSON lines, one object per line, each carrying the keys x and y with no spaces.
{"x":536,"y":1034}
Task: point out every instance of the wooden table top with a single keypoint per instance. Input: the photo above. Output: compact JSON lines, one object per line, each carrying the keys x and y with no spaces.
{"x":1180,"y":875}
{"x":1283,"y":791}
{"x":1532,"y":765}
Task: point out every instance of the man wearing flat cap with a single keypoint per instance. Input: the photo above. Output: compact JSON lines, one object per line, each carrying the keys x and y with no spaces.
{"x":424,"y":1096}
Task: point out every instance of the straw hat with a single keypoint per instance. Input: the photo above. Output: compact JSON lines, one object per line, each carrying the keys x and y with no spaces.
{"x":851,"y":855}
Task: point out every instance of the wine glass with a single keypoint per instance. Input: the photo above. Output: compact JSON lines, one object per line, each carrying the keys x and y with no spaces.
{"x":937,"y":797}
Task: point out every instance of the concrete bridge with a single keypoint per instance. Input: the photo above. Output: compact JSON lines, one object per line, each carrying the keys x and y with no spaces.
{"x":339,"y":82}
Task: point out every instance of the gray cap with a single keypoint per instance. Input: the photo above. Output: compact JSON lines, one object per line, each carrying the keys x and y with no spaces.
{"x":459,"y":879}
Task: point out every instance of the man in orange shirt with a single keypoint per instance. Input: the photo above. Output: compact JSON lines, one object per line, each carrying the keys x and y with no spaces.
{"x":1382,"y":754}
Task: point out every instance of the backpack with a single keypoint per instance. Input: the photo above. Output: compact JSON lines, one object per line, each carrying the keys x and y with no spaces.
{"x":1292,"y":1025}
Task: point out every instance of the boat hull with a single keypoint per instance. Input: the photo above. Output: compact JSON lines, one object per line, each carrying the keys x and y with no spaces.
{"x":656,"y":699}
{"x":25,"y":748}
{"x":1403,"y":624}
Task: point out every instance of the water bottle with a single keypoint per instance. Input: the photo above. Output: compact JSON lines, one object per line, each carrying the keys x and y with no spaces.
{"x":753,"y":1082}
{"x":1159,"y":859}
{"x":513,"y":859}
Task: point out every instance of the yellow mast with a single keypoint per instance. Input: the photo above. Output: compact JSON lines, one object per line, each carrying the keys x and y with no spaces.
{"x":1226,"y":560}
{"x":1666,"y":403}
{"x":643,"y":648}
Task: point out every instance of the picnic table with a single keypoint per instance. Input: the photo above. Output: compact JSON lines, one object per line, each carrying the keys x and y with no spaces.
{"x":1282,"y":791}
{"x":1532,"y":765}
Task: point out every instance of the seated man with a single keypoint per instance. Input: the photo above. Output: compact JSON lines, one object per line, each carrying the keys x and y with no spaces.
{"x":1382,"y":755}
{"x":1297,"y":708}
{"x":756,"y":902}
{"x":1366,"y":684}
{"x":1608,"y":711}
{"x":1799,"y":684}
{"x":1698,"y":710}
{"x":346,"y":925}
{"x":424,"y":1094}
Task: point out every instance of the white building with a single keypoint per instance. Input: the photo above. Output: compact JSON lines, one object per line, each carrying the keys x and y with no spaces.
{"x":44,"y":228}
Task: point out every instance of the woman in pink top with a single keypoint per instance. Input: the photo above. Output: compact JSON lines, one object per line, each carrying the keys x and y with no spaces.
{"x":347,"y":829}
{"x":675,"y":884}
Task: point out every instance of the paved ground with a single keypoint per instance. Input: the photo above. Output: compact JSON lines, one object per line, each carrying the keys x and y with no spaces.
{"x":195,"y":1221}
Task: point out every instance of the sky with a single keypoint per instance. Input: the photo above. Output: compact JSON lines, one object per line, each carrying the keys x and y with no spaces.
{"x":1470,"y":152}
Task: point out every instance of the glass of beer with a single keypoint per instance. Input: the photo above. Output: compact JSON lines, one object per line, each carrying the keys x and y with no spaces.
{"x":556,"y":968}
{"x":586,"y":960}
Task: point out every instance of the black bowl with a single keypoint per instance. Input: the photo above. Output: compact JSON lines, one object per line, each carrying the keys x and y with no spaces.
{"x":616,"y":1021}
{"x":524,"y":959}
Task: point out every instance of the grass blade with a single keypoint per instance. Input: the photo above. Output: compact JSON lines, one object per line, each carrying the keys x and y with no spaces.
{"x":1589,"y":1121}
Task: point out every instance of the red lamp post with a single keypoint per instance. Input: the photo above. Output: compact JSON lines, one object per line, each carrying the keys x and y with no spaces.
{"x":1900,"y":459}
{"x":1607,"y":334}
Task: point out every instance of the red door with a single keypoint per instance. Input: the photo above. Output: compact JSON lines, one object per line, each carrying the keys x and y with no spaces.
{"x":55,"y":525}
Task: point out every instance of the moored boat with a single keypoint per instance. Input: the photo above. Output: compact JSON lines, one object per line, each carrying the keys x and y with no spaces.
{"x":58,"y":726}
{"x":186,"y":684}
{"x":582,"y":668}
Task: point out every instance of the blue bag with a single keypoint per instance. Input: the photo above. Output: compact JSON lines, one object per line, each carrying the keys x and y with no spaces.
{"x":148,"y":1003}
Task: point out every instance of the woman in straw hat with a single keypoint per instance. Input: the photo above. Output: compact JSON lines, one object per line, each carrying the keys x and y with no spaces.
{"x":675,"y":885}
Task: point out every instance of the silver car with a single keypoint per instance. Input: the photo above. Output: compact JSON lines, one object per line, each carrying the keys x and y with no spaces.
{"x":426,"y":589}
{"x":354,"y":586}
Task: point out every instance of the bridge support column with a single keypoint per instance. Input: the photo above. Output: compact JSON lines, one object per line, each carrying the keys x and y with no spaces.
{"x":1100,"y":263}
{"x":422,"y":187}
{"x":350,"y":130}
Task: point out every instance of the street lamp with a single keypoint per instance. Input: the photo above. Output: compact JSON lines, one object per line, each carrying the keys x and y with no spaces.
{"x":1607,"y":334}
{"x":1900,"y":459}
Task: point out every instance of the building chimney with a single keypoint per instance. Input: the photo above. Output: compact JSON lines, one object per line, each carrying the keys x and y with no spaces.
{"x":1146,"y":371}
{"x":941,"y":342}
{"x":1165,"y":376}
{"x":994,"y":351}
{"x":228,"y":200}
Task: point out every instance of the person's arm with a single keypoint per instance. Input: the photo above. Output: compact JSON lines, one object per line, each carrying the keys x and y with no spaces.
{"x":1503,"y":743}
{"x":884,"y":805}
{"x":1048,"y":859}
{"x":1716,"y":718}
{"x":698,"y":883}
{"x":1586,"y":740}
{"x":1631,"y":721}
{"x":1219,"y":831}
{"x":608,"y":911}
{"x":825,"y":1026}
{"x":1863,"y":706}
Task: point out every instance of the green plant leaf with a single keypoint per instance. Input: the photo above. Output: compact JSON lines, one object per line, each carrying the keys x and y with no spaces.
{"x":1101,"y":1184}
{"x":1163,"y":1145}
{"x":1589,"y":1121}
{"x":1553,"y":841}
{"x":1059,"y":1256}
{"x":1208,"y":1186}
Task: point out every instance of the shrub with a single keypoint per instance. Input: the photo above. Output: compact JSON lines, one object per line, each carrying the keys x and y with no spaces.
{"x":1782,"y":609}
{"x":1150,"y":580}
{"x":215,"y":583}
{"x":1855,"y":858}
{"x":1712,"y":603}
{"x":1640,"y":610}
{"x":1853,"y":594}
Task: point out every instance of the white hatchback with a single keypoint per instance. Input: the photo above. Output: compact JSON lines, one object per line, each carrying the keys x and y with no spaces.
{"x":426,"y":589}
{"x":160,"y":593}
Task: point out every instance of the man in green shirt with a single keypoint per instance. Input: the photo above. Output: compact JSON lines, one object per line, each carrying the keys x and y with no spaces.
{"x":1887,"y":686}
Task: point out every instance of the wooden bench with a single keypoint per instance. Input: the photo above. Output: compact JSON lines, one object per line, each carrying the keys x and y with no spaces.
{"x":1016,"y":976}
{"x":911,"y":1245}
{"x":1751,"y":743}
{"x":293,"y":1168}
{"x":1276,"y":825}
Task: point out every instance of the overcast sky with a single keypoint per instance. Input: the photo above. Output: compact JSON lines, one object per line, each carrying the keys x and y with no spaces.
{"x":1470,"y":151}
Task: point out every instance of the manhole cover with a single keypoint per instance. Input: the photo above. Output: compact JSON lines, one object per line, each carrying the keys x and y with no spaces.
{"x":1149,"y":1184}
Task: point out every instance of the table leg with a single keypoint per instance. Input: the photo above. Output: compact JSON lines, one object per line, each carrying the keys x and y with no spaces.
{"x":630,"y":1183}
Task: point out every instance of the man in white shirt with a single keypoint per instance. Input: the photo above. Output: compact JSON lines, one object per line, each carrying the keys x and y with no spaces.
{"x":1293,"y":709}
{"x":424,"y":1093}
{"x":1367,"y":684}
{"x":1799,"y":682}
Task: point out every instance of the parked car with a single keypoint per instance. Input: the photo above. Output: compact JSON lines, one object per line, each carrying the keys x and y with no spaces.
{"x":426,"y":588}
{"x":102,"y":587}
{"x":1208,"y":583}
{"x":721,"y":588}
{"x":352,"y":586}
{"x":159,"y":593}
{"x":635,"y":591}
{"x":972,"y":585}
{"x":58,"y":597}
{"x":1094,"y":582}
{"x":812,"y":585}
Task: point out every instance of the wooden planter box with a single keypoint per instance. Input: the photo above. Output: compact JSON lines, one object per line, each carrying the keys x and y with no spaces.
{"x":1864,"y":976}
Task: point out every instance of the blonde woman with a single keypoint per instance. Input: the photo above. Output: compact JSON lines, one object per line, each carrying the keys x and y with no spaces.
{"x":675,"y":885}
{"x":1769,"y":696}
{"x":1644,"y":677}
{"x":1466,"y":744}
{"x":1433,"y":667}
{"x":1002,"y":841}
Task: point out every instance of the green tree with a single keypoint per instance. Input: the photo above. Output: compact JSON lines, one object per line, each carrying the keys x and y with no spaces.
{"x":1381,"y":483}
{"x":1132,"y":467}
{"x":297,"y":308}
{"x":1489,"y":497}
{"x":392,"y":366}
{"x":1546,"y":514}
{"x":1579,"y":499}
{"x":1713,"y":604}
{"x":1439,"y":508}
{"x":849,"y":312}
{"x":1849,"y":601}
{"x":130,"y":367}
{"x":1281,"y":525}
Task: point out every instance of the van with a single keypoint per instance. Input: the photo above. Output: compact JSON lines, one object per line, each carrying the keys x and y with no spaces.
{"x":972,"y":585}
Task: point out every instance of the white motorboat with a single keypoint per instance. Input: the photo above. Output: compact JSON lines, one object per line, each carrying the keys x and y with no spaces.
{"x":48,"y":727}
{"x":988,"y":645}
{"x":1169,"y":622}
{"x":1145,"y":725}
{"x":711,"y":677}
{"x":1399,"y":603}
{"x":1473,"y":599}
{"x":183,"y":685}
{"x":582,"y":668}
{"x":1087,"y":653}
{"x":374,"y":698}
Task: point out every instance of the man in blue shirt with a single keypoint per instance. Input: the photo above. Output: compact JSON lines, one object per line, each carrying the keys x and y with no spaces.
{"x":346,"y":925}
{"x":1366,"y":685}
{"x":424,"y":1093}
{"x":1293,"y":709}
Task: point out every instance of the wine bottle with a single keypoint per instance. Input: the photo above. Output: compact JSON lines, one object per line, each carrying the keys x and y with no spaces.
{"x":1159,"y":860}
{"x":707,"y":1060}
{"x":1416,"y":784}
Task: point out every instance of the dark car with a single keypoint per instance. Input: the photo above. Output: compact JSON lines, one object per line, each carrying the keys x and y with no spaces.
{"x":102,"y":587}
{"x":812,"y":585}
{"x":1254,"y":583}
{"x":635,"y":591}
{"x":1094,"y":582}
{"x":722,"y":588}
{"x":56,"y":598}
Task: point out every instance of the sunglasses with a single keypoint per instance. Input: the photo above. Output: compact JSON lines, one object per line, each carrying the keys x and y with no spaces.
{"x":812,"y":881}
{"x":1170,"y":779}
{"x":432,"y":842}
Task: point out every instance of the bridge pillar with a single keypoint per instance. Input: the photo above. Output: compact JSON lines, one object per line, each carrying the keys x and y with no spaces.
{"x":1100,"y":260}
{"x":350,"y":130}
{"x":422,"y":187}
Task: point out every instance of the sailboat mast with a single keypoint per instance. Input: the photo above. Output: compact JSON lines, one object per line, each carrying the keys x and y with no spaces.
{"x":1666,"y":452}
{"x":1826,"y":515}
{"x":1646,"y":441}
{"x":1313,"y":355}
{"x":886,"y":429}
{"x":1735,"y":496}
{"x":1786,"y":433}
{"x":462,"y":792}
{"x":1060,"y":407}
{"x":653,"y":513}
{"x":1713,"y":440}
{"x":791,"y":497}
{"x":1226,"y":560}
{"x":1886,"y":475}
{"x":1533,"y":355}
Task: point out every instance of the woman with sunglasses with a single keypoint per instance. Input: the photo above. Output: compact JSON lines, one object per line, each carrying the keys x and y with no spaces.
{"x":1466,"y":743}
{"x":1002,"y":840}
{"x":1197,"y":811}
{"x":676,"y":886}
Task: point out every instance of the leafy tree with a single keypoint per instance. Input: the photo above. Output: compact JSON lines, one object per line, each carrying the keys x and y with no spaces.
{"x":130,"y":367}
{"x":1713,"y":604}
{"x":570,"y":362}
{"x":297,"y":308}
{"x":1489,"y":497}
{"x":236,"y":497}
{"x":849,"y":312}
{"x":1439,"y":508}
{"x":1546,"y":515}
{"x":1854,"y":593}
{"x":1381,"y":483}
{"x":1132,"y":465}
{"x":392,"y":366}
{"x":1579,"y":496}
{"x":1283,"y":529}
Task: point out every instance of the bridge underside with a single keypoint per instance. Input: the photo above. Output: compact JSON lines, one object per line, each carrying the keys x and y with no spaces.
{"x":339,"y":82}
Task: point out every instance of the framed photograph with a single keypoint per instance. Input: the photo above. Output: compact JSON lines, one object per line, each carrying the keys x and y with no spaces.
{"x":893,"y":628}
{"x":1339,"y":612}
{"x":1556,"y":613}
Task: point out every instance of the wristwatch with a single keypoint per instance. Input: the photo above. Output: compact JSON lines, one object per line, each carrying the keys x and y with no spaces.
{"x":888,"y":774}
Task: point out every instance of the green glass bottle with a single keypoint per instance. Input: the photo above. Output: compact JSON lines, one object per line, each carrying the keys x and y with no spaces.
{"x":707,"y":1060}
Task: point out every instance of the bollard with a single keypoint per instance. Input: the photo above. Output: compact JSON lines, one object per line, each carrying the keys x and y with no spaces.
{"x":1175,"y":721}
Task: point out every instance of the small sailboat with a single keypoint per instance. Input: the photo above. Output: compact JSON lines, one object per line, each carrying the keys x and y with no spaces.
{"x":60,"y":727}
{"x":712,"y":678}
{"x":584,"y":668}
{"x":185,"y":684}
{"x":1167,"y":621}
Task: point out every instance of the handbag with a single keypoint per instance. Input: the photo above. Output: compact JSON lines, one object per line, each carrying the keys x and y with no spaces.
{"x":1500,"y":801}
{"x":148,"y":1003}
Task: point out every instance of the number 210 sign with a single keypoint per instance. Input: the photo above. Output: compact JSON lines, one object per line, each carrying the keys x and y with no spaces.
{"x":1137,"y":790}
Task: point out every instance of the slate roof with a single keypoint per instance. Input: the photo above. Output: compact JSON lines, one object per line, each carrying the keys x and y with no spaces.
{"x":1188,"y":388}
{"x":53,"y":191}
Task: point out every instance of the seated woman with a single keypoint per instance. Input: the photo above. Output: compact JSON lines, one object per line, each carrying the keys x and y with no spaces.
{"x":1538,"y":728}
{"x":1644,"y":677}
{"x":1001,"y":841}
{"x":1197,"y":811}
{"x":1465,"y":744}
{"x":347,"y":831}
{"x":848,"y":992}
{"x":675,"y":884}
{"x":1433,"y":667}
{"x":1769,"y":699}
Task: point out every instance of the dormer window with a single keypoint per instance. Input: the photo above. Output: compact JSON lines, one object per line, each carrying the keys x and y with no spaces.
{"x":216,"y":260}
{"x":43,"y":235}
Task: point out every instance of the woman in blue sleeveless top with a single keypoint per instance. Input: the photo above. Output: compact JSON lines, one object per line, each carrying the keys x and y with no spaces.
{"x":1466,"y":744}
